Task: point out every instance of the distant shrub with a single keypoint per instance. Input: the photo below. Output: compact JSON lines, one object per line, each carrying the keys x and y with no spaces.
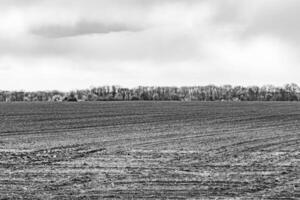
{"x":135,"y":98}
{"x":71,"y":98}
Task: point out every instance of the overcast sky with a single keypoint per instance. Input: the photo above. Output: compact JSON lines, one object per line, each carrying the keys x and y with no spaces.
{"x":69,"y":44}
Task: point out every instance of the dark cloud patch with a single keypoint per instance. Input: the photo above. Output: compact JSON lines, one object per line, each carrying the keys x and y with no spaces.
{"x":81,"y":28}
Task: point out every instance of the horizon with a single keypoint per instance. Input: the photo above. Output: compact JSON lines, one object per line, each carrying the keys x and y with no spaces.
{"x":71,"y":44}
{"x":148,"y":86}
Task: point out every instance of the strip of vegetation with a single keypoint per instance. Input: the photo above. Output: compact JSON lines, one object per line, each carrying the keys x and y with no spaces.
{"x":289,"y":92}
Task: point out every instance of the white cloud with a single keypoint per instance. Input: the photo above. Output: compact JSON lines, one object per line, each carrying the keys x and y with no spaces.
{"x":66,"y":44}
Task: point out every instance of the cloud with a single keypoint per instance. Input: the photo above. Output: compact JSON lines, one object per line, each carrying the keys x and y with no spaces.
{"x":80,"y":28}
{"x":142,"y":42}
{"x":277,"y":18}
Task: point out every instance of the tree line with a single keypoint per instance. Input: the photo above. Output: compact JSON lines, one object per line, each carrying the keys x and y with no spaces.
{"x":289,"y":92}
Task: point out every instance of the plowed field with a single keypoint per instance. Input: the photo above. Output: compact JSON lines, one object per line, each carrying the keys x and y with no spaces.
{"x":150,"y":150}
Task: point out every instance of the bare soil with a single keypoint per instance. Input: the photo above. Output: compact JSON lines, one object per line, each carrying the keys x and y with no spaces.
{"x":150,"y":150}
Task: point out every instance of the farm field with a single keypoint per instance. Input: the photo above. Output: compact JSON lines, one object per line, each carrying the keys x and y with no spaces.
{"x":150,"y":150}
